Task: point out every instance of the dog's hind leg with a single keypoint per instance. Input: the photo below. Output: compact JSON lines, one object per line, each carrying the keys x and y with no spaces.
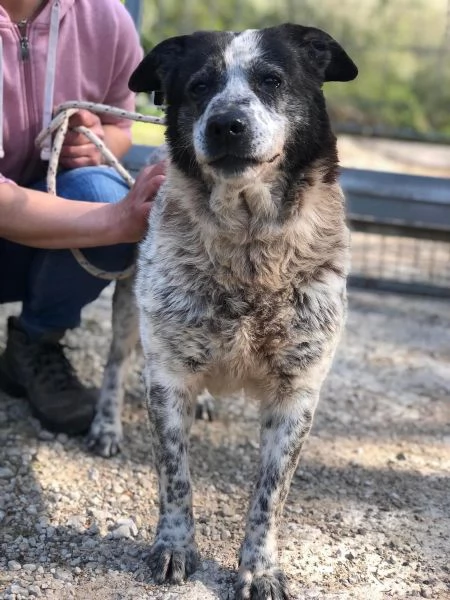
{"x":174,"y":555}
{"x":286,"y":422}
{"x":205,"y":409}
{"x":105,"y":435}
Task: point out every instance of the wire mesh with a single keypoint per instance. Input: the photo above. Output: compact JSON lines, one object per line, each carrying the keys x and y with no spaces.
{"x":416,"y":263}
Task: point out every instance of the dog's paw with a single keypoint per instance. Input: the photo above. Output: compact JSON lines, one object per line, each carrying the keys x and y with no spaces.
{"x":172,"y":563}
{"x":104,"y":439}
{"x":271,"y":585}
{"x":205,"y":409}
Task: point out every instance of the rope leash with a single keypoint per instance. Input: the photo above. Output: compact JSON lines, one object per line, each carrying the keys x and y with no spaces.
{"x":59,"y":127}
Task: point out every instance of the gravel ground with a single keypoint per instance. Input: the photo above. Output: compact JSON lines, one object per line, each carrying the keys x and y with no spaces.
{"x":368,"y":512}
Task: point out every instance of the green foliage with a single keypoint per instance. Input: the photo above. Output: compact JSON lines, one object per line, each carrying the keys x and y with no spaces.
{"x":399,"y":45}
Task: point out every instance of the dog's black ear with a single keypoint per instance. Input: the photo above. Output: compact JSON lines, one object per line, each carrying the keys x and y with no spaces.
{"x":151,"y":72}
{"x":326,"y":56}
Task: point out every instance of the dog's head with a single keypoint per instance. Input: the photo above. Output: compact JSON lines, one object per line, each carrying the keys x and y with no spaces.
{"x":241,"y":103}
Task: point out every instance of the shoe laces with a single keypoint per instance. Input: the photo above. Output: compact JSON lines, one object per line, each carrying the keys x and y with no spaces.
{"x":50,"y":363}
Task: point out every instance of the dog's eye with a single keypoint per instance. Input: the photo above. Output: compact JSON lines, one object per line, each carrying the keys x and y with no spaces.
{"x":198,"y":88}
{"x":271,"y":81}
{"x":319,"y":45}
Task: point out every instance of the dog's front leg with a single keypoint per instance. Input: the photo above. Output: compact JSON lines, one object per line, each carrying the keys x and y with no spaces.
{"x":173,"y":555}
{"x":285,"y":425}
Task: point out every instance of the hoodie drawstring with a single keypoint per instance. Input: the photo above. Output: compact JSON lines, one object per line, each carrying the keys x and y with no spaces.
{"x":50,"y":77}
{"x":2,"y":152}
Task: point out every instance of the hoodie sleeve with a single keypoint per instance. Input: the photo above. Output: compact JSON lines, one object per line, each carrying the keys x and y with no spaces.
{"x":4,"y":179}
{"x":127,"y":55}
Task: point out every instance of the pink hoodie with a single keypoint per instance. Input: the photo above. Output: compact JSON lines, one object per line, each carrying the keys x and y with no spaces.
{"x":77,"y":50}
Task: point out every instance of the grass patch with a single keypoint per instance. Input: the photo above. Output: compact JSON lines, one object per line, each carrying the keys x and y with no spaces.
{"x":147,"y":134}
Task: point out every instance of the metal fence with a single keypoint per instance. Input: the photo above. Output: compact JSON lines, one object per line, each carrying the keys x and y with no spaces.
{"x":401,"y":263}
{"x":401,"y":231}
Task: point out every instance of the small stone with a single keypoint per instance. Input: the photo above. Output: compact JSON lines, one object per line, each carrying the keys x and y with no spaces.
{"x":94,"y":529}
{"x":121,"y":532}
{"x":350,"y":556}
{"x":63,"y":575}
{"x":50,"y":531}
{"x":89,"y":543}
{"x":63,"y":438}
{"x":215,"y":537}
{"x":426,"y":593}
{"x":34,"y":590}
{"x":74,"y":495}
{"x":93,"y":474}
{"x":29,"y":567}
{"x":18,"y":590}
{"x":129,"y":523}
{"x":46,"y":436}
{"x":401,"y":456}
{"x":13,"y":565}
{"x":6,"y":473}
{"x":298,"y":510}
{"x":226,"y":510}
{"x":76,"y":522}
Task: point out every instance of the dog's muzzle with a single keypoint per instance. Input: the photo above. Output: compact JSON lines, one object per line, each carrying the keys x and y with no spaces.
{"x":228,"y":138}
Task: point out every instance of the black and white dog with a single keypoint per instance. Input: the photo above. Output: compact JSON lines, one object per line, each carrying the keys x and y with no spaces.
{"x":242,"y":276}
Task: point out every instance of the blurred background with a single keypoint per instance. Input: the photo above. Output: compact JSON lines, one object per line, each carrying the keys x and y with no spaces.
{"x":392,"y":122}
{"x":402,"y":48}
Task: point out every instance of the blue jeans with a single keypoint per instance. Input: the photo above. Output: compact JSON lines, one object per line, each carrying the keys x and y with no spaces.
{"x":51,"y":285}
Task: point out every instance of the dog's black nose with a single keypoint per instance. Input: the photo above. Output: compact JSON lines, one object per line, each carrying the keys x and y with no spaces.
{"x":226,"y":125}
{"x":226,"y":129}
{"x":228,"y":132}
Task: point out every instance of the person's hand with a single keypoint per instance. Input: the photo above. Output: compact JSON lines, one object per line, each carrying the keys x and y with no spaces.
{"x":130,"y":215}
{"x":77,"y":150}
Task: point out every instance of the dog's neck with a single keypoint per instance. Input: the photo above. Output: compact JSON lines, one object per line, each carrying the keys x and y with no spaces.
{"x":241,"y":208}
{"x":235,"y":210}
{"x":272,"y":196}
{"x":268,"y":232}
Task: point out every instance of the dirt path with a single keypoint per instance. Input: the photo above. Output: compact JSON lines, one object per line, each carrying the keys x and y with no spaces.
{"x":368,"y":516}
{"x":415,"y":158}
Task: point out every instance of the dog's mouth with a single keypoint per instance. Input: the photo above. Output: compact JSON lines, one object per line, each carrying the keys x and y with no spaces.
{"x":237,"y":164}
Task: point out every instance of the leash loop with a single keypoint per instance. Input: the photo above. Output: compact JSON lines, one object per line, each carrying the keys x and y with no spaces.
{"x":58,"y":128}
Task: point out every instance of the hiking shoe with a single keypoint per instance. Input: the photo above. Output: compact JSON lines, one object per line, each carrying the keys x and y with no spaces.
{"x":40,"y":372}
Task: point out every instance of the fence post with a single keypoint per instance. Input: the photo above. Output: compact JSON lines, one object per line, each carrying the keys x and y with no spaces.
{"x":135,"y":9}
